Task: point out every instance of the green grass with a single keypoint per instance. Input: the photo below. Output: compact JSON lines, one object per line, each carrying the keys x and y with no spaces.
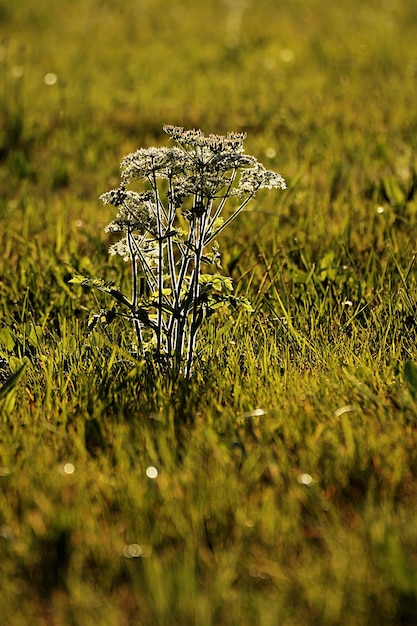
{"x":287,"y":469}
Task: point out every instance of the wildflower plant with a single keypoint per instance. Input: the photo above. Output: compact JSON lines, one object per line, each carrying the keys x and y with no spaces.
{"x":169,"y":227}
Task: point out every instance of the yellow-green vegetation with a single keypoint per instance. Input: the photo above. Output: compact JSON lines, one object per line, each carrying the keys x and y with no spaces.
{"x":278,"y":486}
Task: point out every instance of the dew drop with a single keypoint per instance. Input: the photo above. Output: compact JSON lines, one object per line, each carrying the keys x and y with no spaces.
{"x":249,"y":522}
{"x":18,"y":71}
{"x":151,"y":472}
{"x":68,"y":469}
{"x":50,"y":79}
{"x":305,"y":479}
{"x":270,"y":153}
{"x":132,"y":551}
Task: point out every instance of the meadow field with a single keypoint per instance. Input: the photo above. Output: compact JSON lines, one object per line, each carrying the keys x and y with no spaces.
{"x":278,"y":487}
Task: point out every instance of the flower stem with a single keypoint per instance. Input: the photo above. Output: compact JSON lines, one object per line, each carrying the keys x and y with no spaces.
{"x":136,"y":322}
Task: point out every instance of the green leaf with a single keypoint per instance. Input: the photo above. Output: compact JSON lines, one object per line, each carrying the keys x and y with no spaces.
{"x":101,"y":285}
{"x":244,"y":303}
{"x":326,"y":269}
{"x":217,"y":282}
{"x":11,"y":382}
{"x":7,"y":339}
{"x":393,"y":191}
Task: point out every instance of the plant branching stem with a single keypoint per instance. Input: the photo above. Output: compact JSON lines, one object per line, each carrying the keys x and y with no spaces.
{"x":133,"y":259}
{"x":160,"y":278}
{"x":214,"y":234}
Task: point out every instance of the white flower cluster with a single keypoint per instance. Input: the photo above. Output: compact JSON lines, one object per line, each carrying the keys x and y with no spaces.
{"x":135,"y":211}
{"x":213,"y":150}
{"x":195,"y":138}
{"x":152,"y":162}
{"x":201,"y":173}
{"x":140,"y":247}
{"x":257,"y":177}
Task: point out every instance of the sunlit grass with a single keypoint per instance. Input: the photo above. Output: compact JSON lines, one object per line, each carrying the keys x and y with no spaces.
{"x":286,"y":470}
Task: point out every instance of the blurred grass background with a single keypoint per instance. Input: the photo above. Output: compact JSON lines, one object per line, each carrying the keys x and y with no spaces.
{"x":286,"y":473}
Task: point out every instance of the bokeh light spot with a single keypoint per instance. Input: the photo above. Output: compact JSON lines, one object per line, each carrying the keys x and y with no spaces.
{"x":270,"y":153}
{"x":151,"y":472}
{"x":50,"y":79}
{"x":68,"y":468}
{"x":305,"y":479}
{"x":134,"y":551}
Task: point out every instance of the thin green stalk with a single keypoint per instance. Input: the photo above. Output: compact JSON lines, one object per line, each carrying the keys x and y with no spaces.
{"x":195,"y":324}
{"x":226,"y":196}
{"x":172,"y":276}
{"x":178,"y":306}
{"x":160,"y":276}
{"x":170,"y":226}
{"x":136,"y":322}
{"x":149,"y":275}
{"x":227,"y":222}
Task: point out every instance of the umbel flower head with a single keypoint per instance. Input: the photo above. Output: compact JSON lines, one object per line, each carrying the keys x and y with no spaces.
{"x":152,"y":162}
{"x":257,"y":177}
{"x":202,"y":166}
{"x":194,"y":139}
{"x":220,"y":154}
{"x":135,"y":211}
